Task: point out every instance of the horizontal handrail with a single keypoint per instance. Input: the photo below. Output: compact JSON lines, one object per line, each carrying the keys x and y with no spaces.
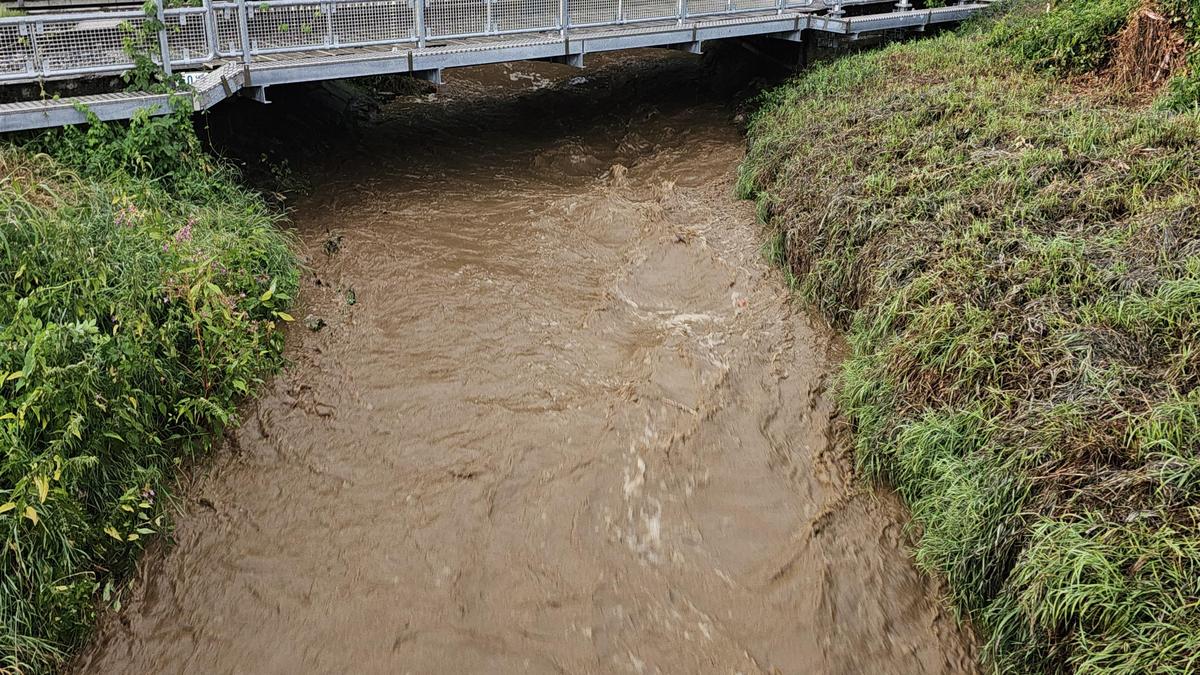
{"x":47,"y":17}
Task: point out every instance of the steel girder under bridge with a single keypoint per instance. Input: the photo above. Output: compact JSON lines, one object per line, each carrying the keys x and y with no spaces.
{"x":225,"y":48}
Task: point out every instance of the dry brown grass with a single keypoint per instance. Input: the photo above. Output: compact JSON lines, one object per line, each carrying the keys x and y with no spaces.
{"x":1148,"y":51}
{"x":34,"y":178}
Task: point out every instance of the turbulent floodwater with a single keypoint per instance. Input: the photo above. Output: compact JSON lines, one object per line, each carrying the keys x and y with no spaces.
{"x":570,"y":422}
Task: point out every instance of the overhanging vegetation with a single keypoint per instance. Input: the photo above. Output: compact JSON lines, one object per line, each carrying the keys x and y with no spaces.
{"x":139,"y":294}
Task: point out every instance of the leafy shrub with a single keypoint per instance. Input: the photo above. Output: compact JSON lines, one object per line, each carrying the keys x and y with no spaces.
{"x":140,"y":291}
{"x":160,"y":149}
{"x":1071,"y":36}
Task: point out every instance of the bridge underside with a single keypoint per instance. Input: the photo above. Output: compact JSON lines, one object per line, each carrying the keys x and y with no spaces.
{"x":302,"y":41}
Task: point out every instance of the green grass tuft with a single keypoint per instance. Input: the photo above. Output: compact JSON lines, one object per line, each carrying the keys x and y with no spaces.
{"x":1070,"y":36}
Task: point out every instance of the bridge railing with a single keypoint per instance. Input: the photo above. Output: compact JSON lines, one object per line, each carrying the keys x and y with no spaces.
{"x":58,"y":45}
{"x":75,"y":43}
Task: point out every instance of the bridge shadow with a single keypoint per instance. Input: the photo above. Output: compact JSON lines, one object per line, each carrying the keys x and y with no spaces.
{"x":480,"y":115}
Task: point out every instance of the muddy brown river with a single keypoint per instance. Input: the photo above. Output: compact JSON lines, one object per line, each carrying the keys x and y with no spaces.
{"x":563,"y":418}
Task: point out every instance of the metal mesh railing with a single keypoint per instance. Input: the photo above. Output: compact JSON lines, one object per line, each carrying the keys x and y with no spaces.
{"x":513,"y":16}
{"x":456,"y":18}
{"x":78,"y":43}
{"x":355,"y":24}
{"x":16,"y":50}
{"x":593,"y":12}
{"x":188,"y":37}
{"x":646,"y":10}
{"x":706,"y":7}
{"x":286,"y":26}
{"x":85,"y":44}
{"x":225,"y":19}
{"x":753,"y":5}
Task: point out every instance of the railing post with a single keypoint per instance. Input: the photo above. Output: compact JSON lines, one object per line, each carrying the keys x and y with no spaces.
{"x":680,"y":12}
{"x":244,"y":30}
{"x":620,"y":11}
{"x":564,"y":17}
{"x":779,"y":7}
{"x":330,"y":39}
{"x":420,"y":22}
{"x":163,"y":47}
{"x":210,"y":27}
{"x":29,"y":30}
{"x":487,"y":16}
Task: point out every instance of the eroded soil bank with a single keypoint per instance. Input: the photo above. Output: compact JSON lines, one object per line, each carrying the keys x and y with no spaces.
{"x":562,"y":418}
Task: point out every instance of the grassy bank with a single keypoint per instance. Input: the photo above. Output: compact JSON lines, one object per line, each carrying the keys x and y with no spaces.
{"x":1016,"y":260}
{"x":139,"y":293}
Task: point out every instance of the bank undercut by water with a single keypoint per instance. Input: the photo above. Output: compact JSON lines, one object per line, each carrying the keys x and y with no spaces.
{"x":140,"y":294}
{"x":1016,"y":261}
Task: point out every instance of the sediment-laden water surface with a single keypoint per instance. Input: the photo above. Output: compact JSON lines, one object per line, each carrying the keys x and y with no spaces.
{"x":562,"y":418}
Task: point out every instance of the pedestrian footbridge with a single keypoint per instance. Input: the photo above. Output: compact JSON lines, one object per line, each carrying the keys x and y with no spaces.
{"x":225,"y":48}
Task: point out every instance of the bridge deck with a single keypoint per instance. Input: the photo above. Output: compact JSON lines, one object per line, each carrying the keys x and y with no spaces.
{"x":307,"y":40}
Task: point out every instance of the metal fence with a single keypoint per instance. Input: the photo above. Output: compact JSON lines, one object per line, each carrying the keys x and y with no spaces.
{"x":104,"y":42}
